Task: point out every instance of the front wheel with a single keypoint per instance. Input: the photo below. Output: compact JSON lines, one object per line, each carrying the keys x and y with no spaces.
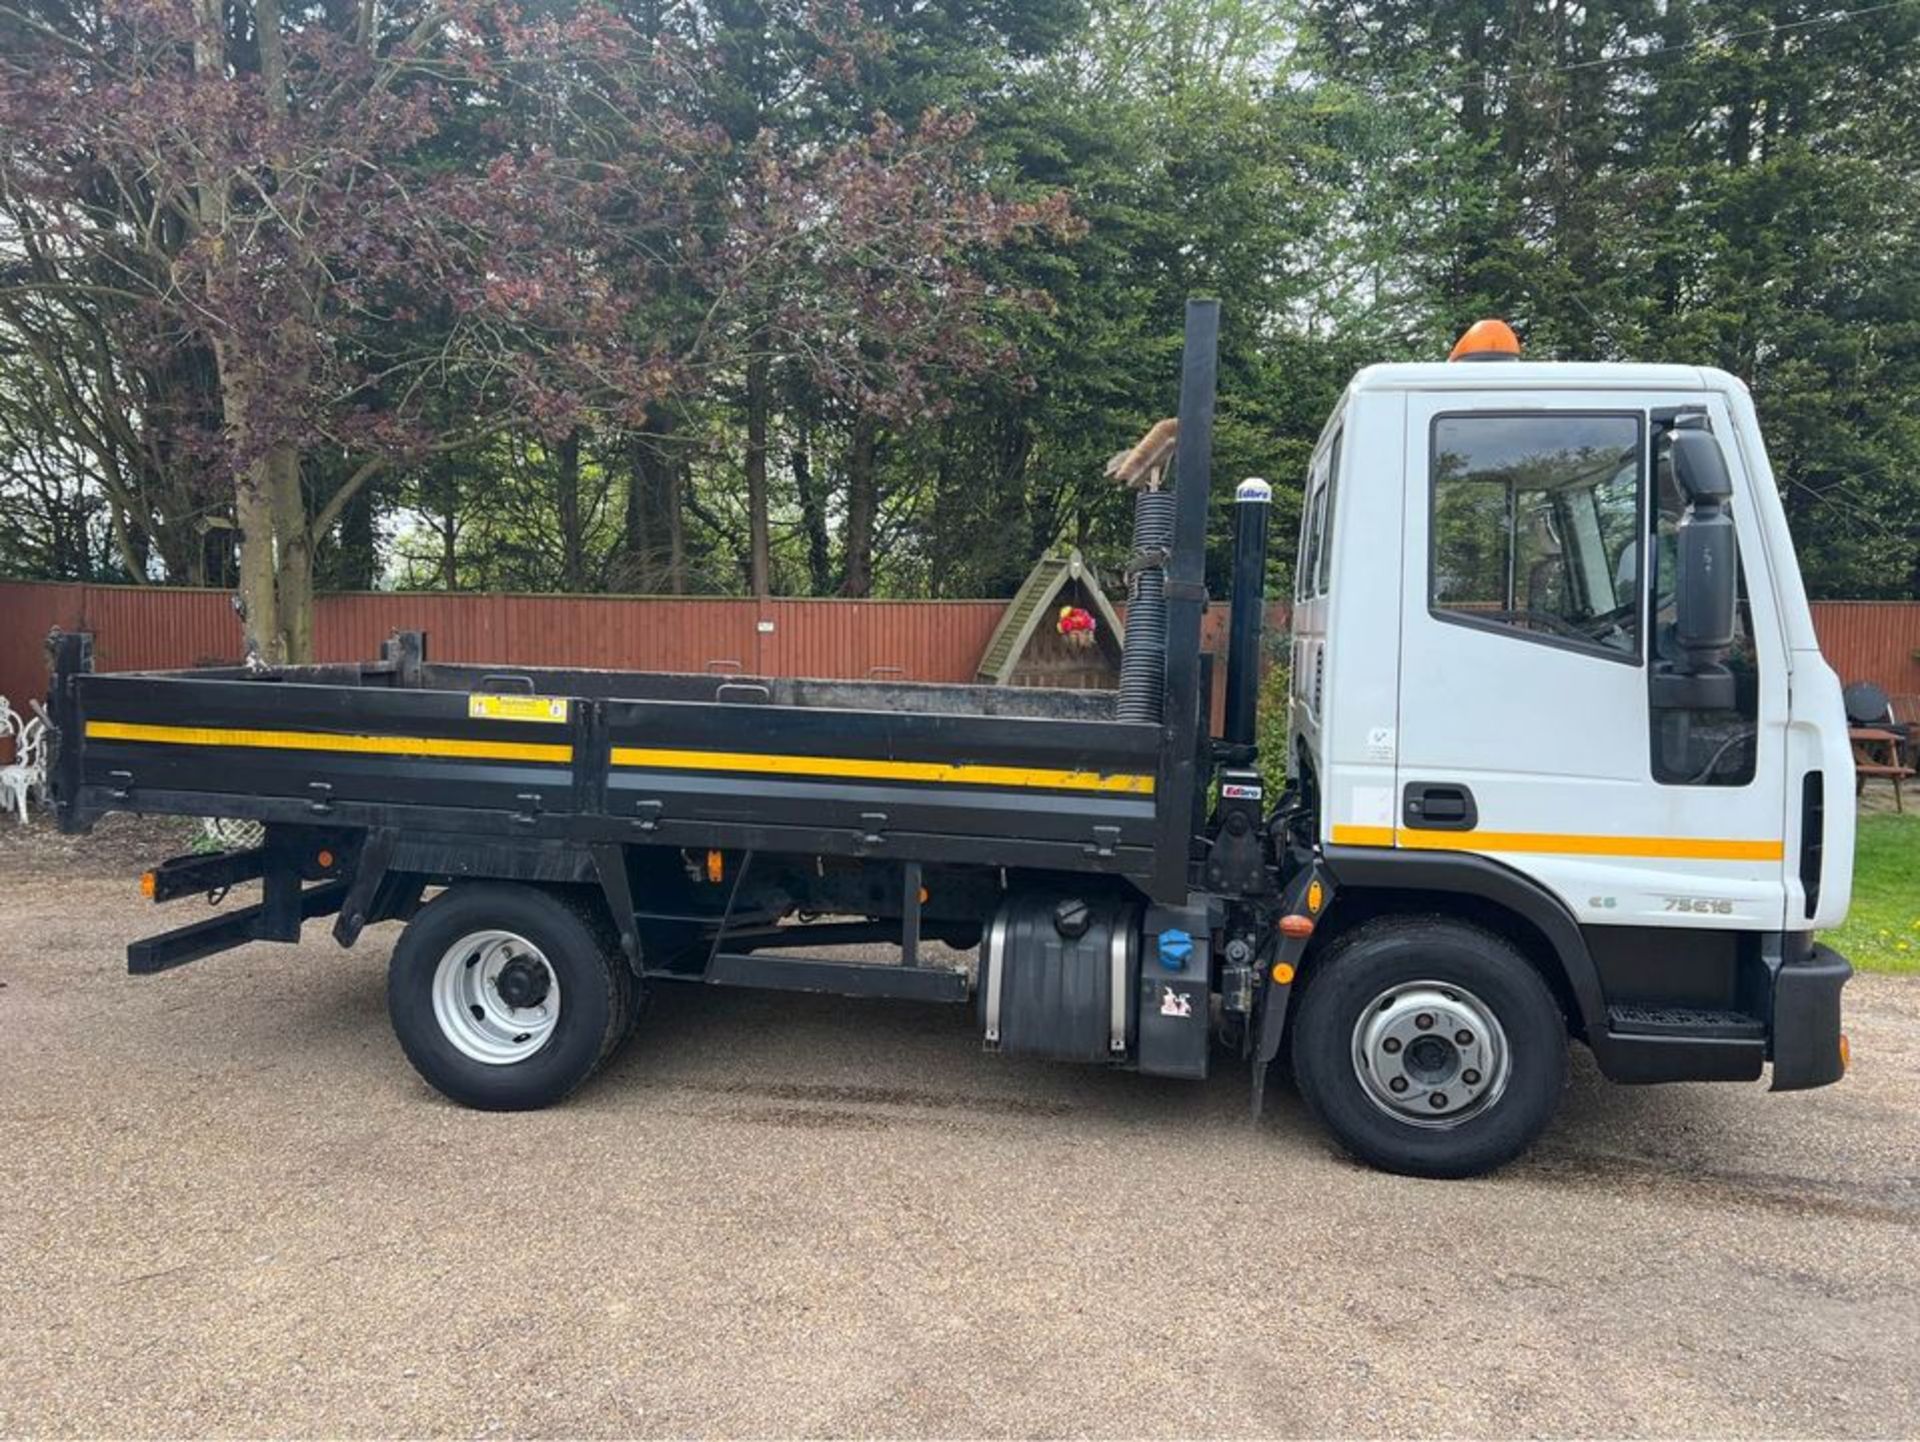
{"x":1429,"y":1047}
{"x":505,"y":997}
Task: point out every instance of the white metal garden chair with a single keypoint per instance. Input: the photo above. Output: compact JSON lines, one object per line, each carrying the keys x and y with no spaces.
{"x":27,"y":774}
{"x":11,"y":724}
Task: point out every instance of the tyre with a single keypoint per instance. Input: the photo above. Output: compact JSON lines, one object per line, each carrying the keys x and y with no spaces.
{"x":506,"y":997}
{"x":1429,"y":1047}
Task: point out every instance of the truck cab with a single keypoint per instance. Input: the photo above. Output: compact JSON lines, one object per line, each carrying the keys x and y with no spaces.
{"x":1554,"y":674}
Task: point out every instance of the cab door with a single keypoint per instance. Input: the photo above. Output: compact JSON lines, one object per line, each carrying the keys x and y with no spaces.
{"x":1538,"y":592}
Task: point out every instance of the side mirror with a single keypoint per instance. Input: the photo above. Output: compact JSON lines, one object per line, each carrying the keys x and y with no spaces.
{"x":1706,"y":575}
{"x":1699,"y":469}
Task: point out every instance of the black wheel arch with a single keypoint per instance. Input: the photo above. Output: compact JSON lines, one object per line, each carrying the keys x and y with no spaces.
{"x":1375,"y":881}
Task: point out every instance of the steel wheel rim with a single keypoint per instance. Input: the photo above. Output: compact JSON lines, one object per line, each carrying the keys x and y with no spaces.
{"x":1431,"y":1054}
{"x":474,"y":1017}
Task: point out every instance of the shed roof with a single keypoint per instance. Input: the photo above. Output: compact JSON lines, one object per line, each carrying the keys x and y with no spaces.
{"x":1051,"y":574}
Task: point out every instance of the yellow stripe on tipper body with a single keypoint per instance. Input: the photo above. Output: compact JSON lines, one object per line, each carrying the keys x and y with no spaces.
{"x":1690,"y":848}
{"x":330,"y":741}
{"x":841,"y":768}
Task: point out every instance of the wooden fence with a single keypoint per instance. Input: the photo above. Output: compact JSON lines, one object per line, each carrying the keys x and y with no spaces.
{"x":137,"y":627}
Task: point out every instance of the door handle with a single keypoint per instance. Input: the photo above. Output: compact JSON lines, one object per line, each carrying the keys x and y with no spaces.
{"x":1439,"y":806}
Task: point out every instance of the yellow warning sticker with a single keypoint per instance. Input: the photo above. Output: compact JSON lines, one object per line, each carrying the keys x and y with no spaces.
{"x":517,"y":708}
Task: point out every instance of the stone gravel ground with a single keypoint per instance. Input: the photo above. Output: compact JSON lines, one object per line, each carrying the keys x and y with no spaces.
{"x":227,"y":1206}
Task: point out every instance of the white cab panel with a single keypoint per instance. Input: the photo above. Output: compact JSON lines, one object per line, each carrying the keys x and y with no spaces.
{"x":1551,"y":738}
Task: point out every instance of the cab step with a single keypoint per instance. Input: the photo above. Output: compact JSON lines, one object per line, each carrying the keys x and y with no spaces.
{"x":1689,"y":1021}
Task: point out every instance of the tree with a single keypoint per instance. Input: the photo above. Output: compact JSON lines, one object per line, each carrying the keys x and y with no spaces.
{"x":1704,"y":182}
{"x":1203,"y":157}
{"x":52,"y":524}
{"x":844,"y":242}
{"x":269,"y":190}
{"x":765,"y":295}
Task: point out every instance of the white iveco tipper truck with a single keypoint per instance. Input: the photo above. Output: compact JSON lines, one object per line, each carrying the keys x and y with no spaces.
{"x":1560,"y":718}
{"x":1562,"y":750}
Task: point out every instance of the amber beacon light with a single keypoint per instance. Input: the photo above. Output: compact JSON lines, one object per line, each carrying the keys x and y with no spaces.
{"x":1486,"y":340}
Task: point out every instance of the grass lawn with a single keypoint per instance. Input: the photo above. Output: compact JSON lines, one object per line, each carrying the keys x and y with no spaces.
{"x":1883,"y":928}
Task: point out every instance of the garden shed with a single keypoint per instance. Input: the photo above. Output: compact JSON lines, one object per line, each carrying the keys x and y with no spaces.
{"x":1027,"y":648}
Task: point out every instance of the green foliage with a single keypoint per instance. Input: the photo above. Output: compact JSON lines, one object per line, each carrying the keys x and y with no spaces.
{"x":1270,"y":727}
{"x":1704,"y":181}
{"x":1883,"y":928}
{"x":1707,"y":181}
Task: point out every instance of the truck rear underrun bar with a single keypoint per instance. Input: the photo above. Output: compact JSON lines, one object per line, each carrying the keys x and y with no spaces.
{"x":227,"y":930}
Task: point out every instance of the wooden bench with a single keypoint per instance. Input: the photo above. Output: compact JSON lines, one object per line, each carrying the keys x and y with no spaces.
{"x":1877,"y":753}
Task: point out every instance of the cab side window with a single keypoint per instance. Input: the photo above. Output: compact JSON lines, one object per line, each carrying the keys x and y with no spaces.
{"x":1535,"y":526}
{"x":1323,"y":569}
{"x":1311,"y":517}
{"x":1313,"y":569}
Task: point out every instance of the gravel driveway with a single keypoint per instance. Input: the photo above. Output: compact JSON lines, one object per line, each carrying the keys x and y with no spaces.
{"x":228,"y":1206}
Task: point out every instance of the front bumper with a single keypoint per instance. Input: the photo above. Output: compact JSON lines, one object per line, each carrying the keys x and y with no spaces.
{"x":1806,"y":1045}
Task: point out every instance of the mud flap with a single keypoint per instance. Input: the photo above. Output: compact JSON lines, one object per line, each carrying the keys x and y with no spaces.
{"x":1309,"y":894}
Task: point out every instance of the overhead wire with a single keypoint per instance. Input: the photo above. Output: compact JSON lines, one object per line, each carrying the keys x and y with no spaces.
{"x":1656,"y":52}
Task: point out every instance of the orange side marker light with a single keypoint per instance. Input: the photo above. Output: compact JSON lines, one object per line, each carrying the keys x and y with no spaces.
{"x":1846,"y":1054}
{"x":716,"y":865}
{"x":1296,"y":925}
{"x":1283,"y":973}
{"x":147,"y":884}
{"x":325,"y":858}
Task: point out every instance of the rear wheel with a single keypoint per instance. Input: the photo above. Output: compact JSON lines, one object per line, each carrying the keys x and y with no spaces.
{"x":505,"y":997}
{"x":1429,"y":1046}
